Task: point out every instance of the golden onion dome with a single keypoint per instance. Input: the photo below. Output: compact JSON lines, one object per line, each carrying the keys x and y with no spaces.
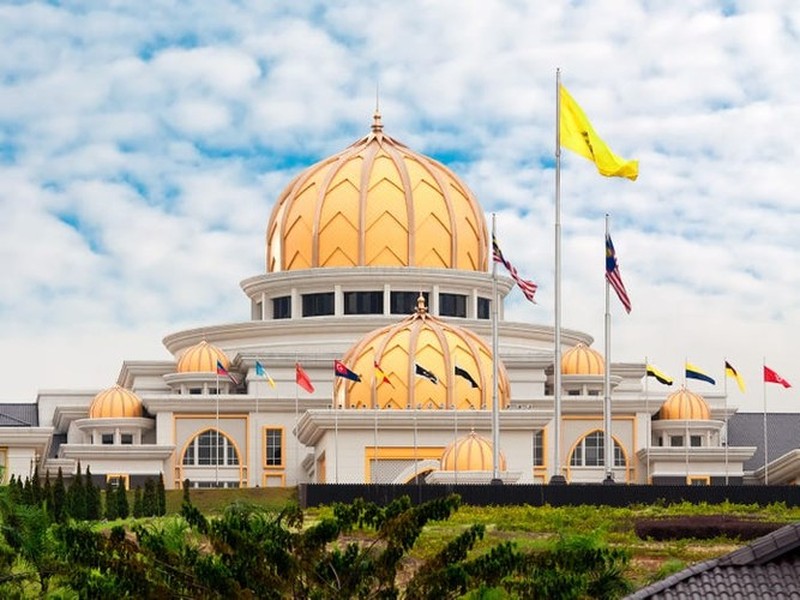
{"x":471,"y":453}
{"x":684,"y":405}
{"x":582,"y":360}
{"x":115,"y":403}
{"x":202,"y":358}
{"x":405,"y":351}
{"x":377,"y":204}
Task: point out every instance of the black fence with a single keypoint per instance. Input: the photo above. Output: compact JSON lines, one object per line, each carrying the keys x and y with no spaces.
{"x":553,"y":495}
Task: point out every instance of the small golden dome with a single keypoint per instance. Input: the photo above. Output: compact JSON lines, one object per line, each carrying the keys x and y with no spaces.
{"x":377,"y":204}
{"x":582,"y":360}
{"x":451,"y":354}
{"x":202,"y":358}
{"x":471,"y":453}
{"x":684,"y":405}
{"x":115,"y":403}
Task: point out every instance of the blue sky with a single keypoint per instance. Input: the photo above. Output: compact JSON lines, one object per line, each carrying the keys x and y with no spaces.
{"x":142,"y":148}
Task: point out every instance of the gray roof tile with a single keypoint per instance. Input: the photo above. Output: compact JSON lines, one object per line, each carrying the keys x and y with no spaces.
{"x":769,"y":567}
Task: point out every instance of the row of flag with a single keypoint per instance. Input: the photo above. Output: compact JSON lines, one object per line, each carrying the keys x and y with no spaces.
{"x":341,"y":370}
{"x":693,"y":372}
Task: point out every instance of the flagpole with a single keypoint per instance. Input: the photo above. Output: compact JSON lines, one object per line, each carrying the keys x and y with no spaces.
{"x":766,"y":453}
{"x":216,"y":438}
{"x":373,"y":469}
{"x":608,"y":444}
{"x":725,"y":391}
{"x":557,"y":477}
{"x":649,"y":430}
{"x":495,"y":384}
{"x":455,"y":441}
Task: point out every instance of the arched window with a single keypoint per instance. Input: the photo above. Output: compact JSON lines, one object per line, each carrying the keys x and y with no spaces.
{"x":210,"y":448}
{"x":590,"y":452}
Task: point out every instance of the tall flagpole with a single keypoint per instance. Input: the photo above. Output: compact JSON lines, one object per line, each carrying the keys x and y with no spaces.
{"x":495,"y":370}
{"x":557,"y":477}
{"x":296,"y":420}
{"x":374,"y":468}
{"x":216,"y":439}
{"x":649,"y":430}
{"x":766,"y":447}
{"x":607,"y":443}
{"x":725,"y":391}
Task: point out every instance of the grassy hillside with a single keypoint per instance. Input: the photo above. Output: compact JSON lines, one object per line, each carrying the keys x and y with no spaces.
{"x":536,"y":527}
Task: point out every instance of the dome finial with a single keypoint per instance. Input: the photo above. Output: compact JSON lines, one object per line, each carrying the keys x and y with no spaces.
{"x":421,"y":308}
{"x":377,"y":126}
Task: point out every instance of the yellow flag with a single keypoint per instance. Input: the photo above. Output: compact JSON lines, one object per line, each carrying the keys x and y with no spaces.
{"x":578,"y":135}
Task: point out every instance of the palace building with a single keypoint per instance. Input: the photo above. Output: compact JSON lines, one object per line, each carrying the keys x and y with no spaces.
{"x":379,"y":257}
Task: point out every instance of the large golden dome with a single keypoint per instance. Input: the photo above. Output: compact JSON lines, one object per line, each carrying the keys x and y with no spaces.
{"x":435,"y":346}
{"x":684,"y":405}
{"x":582,"y":360}
{"x":115,"y":403}
{"x":202,"y":358}
{"x":377,"y":204}
{"x":471,"y":453}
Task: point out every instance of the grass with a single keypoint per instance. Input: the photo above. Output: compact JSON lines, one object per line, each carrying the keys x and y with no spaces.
{"x":534,"y":528}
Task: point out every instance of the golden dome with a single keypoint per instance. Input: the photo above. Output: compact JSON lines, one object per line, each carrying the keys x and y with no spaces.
{"x":582,"y":360}
{"x":471,"y":453}
{"x":684,"y":405}
{"x":435,"y":346}
{"x":115,"y":403}
{"x":377,"y":204}
{"x":202,"y":358}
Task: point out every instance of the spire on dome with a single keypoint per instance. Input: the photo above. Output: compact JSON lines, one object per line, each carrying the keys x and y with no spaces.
{"x":377,"y":126}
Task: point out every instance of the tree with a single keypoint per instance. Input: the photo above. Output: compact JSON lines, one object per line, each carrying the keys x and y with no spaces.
{"x":138,"y":510}
{"x":93,"y":502}
{"x":36,"y":486}
{"x":76,"y":497}
{"x":149,"y":500}
{"x":111,"y":501}
{"x":47,"y":495}
{"x":59,"y":499}
{"x":121,"y":495}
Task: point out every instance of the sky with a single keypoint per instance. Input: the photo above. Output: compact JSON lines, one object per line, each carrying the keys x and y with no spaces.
{"x":142,"y":146}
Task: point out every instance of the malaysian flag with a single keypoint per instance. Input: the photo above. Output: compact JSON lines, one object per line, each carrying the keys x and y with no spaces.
{"x":613,"y":277}
{"x":528,"y":287}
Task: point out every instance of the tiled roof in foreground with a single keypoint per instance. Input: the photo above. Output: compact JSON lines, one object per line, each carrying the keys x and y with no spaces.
{"x":769,"y":567}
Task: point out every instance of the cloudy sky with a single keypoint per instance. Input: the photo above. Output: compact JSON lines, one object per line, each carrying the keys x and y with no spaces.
{"x":142,"y":146}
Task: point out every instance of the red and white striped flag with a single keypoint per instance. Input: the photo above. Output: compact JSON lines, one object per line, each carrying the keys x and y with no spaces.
{"x":528,"y":287}
{"x":613,"y":277}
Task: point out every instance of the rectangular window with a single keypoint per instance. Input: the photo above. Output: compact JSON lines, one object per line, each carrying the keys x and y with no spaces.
{"x":315,"y":305}
{"x":107,"y":438}
{"x":126,"y":438}
{"x":452,"y":305}
{"x":696,"y":441}
{"x":484,"y":308}
{"x":676,"y":441}
{"x":282,"y":307}
{"x":188,"y":457}
{"x":538,"y":449}
{"x":405,"y":303}
{"x":363,"y":303}
{"x":205,"y":452}
{"x":274,"y":447}
{"x":594,"y":451}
